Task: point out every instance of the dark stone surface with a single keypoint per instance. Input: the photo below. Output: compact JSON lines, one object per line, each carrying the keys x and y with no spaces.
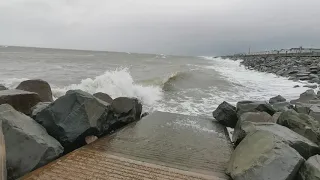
{"x":103,"y":96}
{"x":226,"y":114}
{"x":28,"y":145}
{"x":42,"y":88}
{"x":263,"y":156}
{"x":22,"y":101}
{"x":254,"y":106}
{"x":306,"y":97}
{"x":310,"y":170}
{"x":2,"y":87}
{"x":277,"y":99}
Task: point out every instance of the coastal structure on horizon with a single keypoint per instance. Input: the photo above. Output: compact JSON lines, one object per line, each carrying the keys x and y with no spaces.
{"x":292,"y":51}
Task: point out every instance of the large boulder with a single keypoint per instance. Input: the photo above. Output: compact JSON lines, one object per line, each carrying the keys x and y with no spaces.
{"x":310,"y":170}
{"x":254,"y":106}
{"x":277,"y":99}
{"x":28,"y":145}
{"x":38,"y":108}
{"x":3,"y":167}
{"x":306,"y":97}
{"x":226,"y":114}
{"x":124,"y":108}
{"x":263,"y":156}
{"x":302,"y":124}
{"x":76,"y":115}
{"x":282,"y":106}
{"x":2,"y":87}
{"x":315,"y":112}
{"x":304,"y":146}
{"x":42,"y":88}
{"x":22,"y":101}
{"x":103,"y":96}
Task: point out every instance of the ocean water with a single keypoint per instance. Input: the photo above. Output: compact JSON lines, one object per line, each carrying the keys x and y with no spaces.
{"x":179,"y":84}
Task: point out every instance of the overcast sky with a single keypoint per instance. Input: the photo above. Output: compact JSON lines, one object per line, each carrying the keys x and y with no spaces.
{"x":190,"y":27}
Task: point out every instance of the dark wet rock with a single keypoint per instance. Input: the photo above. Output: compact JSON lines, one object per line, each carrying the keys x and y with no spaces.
{"x":277,"y":99}
{"x":304,"y":146}
{"x":282,"y":106}
{"x":311,"y":86}
{"x":263,"y":156}
{"x":296,"y":86}
{"x":144,"y":114}
{"x":302,"y":107}
{"x":2,"y":87}
{"x":293,"y":72}
{"x":306,"y":96}
{"x":22,"y":101}
{"x":78,"y":114}
{"x":28,"y":145}
{"x":302,"y":124}
{"x":276,"y":116}
{"x":314,"y":76}
{"x":310,"y":170}
{"x":315,"y":112}
{"x":226,"y":114}
{"x":127,"y":107}
{"x":38,"y":108}
{"x":254,"y":106}
{"x":42,"y":88}
{"x":103,"y":96}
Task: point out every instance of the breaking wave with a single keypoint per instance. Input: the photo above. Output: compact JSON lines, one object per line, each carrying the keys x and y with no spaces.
{"x":170,"y":82}
{"x":115,"y":83}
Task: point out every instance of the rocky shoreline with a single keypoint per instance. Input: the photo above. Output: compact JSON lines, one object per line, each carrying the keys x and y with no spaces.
{"x":294,"y":67}
{"x":37,"y":130}
{"x":276,"y":140}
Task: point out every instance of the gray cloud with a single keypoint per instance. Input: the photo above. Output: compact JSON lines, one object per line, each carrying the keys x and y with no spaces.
{"x":191,"y":27}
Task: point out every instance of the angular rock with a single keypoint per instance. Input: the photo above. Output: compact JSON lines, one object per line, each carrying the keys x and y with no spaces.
{"x":2,"y":87}
{"x":314,"y":76}
{"x":310,"y":170}
{"x":127,"y":107}
{"x":263,"y":156}
{"x":254,"y":106}
{"x":78,"y":114}
{"x":296,"y":86}
{"x":276,"y":116}
{"x":226,"y":114}
{"x":302,"y":107}
{"x":22,"y":101}
{"x":315,"y":112}
{"x":302,"y":124}
{"x":38,"y":108}
{"x":28,"y":145}
{"x":311,"y":86}
{"x":304,"y":78}
{"x":104,"y":97}
{"x":277,"y":99}
{"x":304,"y":146}
{"x":42,"y":88}
{"x":306,"y":96}
{"x":282,"y":106}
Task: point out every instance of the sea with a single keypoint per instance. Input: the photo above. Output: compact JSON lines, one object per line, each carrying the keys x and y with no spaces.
{"x":178,"y":84}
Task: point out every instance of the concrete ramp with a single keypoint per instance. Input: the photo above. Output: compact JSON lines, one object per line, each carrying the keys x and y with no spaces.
{"x":160,"y":146}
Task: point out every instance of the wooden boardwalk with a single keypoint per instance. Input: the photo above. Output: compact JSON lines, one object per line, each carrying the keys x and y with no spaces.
{"x":160,"y":146}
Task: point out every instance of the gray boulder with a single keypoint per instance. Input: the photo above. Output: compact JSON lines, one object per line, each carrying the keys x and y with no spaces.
{"x":306,"y":97}
{"x":282,"y":106}
{"x":302,"y":124}
{"x":78,"y":114}
{"x":38,"y":108}
{"x":103,"y":96}
{"x":42,"y":88}
{"x":22,"y":101}
{"x":296,"y":86}
{"x":310,"y":170}
{"x":304,"y":146}
{"x":302,"y":107}
{"x":315,"y":112}
{"x":127,"y":108}
{"x":277,"y":99}
{"x":28,"y":145}
{"x":254,"y":106}
{"x":226,"y":114}
{"x":311,"y":86}
{"x":263,"y":156}
{"x":2,"y":87}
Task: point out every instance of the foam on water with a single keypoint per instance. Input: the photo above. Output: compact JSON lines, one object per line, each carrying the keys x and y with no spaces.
{"x":253,"y":84}
{"x":115,"y":83}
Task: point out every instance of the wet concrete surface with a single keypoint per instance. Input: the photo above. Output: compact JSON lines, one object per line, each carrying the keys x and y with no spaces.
{"x":160,"y":146}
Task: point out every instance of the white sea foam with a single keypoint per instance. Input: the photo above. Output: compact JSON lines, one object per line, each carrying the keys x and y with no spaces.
{"x":115,"y":83}
{"x":12,"y":83}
